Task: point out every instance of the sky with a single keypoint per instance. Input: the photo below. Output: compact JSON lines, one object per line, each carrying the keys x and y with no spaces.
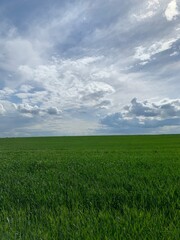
{"x":83,"y":67}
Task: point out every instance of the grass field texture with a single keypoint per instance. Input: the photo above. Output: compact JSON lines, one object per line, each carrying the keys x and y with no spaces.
{"x":113,"y":187}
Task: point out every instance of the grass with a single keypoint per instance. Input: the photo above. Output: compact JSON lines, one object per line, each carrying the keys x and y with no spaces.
{"x":116,"y":187}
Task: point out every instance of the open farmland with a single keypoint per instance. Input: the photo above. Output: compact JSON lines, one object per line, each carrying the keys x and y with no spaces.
{"x":115,"y":187}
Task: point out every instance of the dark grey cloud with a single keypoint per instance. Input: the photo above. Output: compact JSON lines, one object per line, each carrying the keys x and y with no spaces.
{"x":53,"y":111}
{"x":138,"y":109}
{"x":143,"y":115}
{"x":27,"y":109}
{"x":35,"y":110}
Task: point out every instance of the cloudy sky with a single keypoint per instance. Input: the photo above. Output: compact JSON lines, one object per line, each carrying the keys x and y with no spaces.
{"x":83,"y":67}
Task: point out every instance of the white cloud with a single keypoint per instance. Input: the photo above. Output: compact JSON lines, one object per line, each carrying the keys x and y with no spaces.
{"x":94,"y":91}
{"x":146,"y":53}
{"x":142,"y":53}
{"x":6,"y":93}
{"x":153,"y":3}
{"x":150,"y":9}
{"x":172,"y":11}
{"x":25,"y":88}
{"x":68,"y":83}
{"x":174,"y":54}
{"x":2,"y":110}
{"x":104,"y":104}
{"x":17,"y":51}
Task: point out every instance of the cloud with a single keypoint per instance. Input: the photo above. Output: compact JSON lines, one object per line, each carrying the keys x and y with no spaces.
{"x":53,"y":111}
{"x":104,"y":104}
{"x":163,"y":109}
{"x":153,"y":3}
{"x":172,"y":11}
{"x":150,"y":9}
{"x":96,"y":90}
{"x":27,"y":109}
{"x":146,"y":53}
{"x":17,"y":50}
{"x":35,"y":110}
{"x":174,"y":54}
{"x":144,"y":109}
{"x":69,"y":56}
{"x":145,"y":115}
{"x":5,"y":93}
{"x":2,"y":110}
{"x":69,"y":83}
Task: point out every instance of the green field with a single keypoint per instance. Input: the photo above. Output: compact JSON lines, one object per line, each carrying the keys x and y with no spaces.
{"x":116,"y":187}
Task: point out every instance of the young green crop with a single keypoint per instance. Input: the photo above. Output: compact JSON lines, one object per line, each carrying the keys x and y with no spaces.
{"x":116,"y":187}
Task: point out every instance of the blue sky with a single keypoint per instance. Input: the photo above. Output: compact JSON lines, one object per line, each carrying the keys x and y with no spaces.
{"x":89,"y":67}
